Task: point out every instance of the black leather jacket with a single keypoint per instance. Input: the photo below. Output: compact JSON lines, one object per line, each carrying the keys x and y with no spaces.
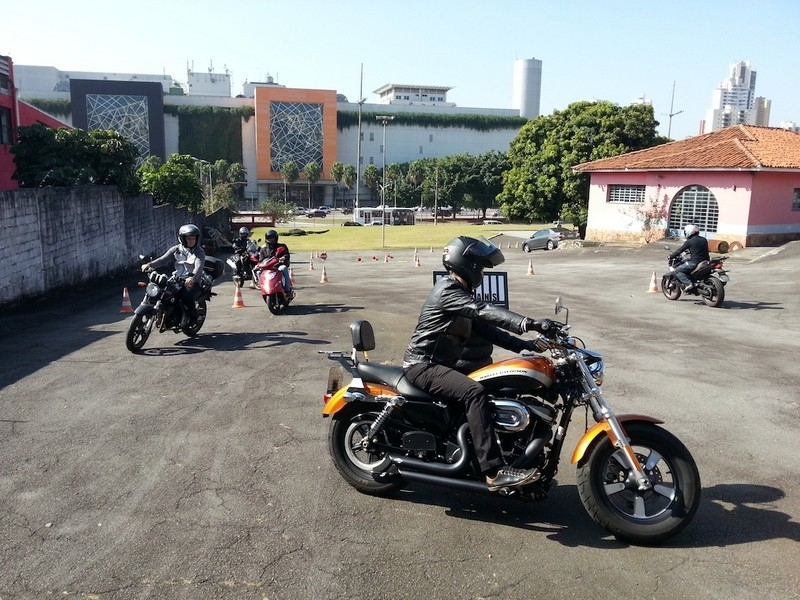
{"x":446,"y":323}
{"x":697,"y":246}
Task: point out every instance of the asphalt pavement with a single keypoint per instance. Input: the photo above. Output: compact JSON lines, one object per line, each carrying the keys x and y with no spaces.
{"x":199,"y":468}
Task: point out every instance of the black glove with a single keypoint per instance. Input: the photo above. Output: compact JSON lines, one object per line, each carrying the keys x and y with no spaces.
{"x":540,"y":326}
{"x":537,"y":345}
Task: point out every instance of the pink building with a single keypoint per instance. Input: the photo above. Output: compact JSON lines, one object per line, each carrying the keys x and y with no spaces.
{"x":740,"y":185}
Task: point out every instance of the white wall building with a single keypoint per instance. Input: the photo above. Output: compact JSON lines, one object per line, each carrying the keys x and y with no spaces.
{"x":408,"y":95}
{"x":734,"y":102}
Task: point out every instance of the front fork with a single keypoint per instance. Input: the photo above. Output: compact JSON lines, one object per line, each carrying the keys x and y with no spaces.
{"x":603,"y":413}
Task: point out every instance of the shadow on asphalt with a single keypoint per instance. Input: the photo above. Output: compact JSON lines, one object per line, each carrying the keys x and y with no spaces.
{"x":729,"y":514}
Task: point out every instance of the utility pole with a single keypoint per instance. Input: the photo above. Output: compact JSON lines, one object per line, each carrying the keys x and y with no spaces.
{"x":384,"y":119}
{"x":361,"y":100}
{"x":671,"y":113}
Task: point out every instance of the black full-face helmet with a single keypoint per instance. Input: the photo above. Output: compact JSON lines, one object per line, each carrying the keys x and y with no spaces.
{"x":468,"y":257}
{"x":244,"y":233}
{"x":187,"y":230}
{"x":272,"y":237}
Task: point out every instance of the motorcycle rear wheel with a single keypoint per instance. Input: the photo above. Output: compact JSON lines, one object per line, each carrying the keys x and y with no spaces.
{"x":138,"y":332}
{"x":355,"y":464}
{"x":194,"y":328}
{"x":611,"y":497}
{"x":716,"y":295}
{"x":670,"y":287}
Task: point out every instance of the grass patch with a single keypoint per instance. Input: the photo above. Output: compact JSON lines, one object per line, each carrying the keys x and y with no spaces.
{"x":422,"y":236}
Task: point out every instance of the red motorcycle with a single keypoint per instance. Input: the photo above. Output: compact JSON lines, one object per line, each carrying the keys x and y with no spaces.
{"x":270,"y":282}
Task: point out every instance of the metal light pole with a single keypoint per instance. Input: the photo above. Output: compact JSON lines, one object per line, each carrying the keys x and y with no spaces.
{"x":361,"y":101}
{"x":384,"y":119}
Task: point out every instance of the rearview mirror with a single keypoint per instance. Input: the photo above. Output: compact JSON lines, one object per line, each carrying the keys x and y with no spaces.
{"x":560,"y":306}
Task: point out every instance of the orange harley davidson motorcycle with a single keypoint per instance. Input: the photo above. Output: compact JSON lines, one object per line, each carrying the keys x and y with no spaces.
{"x":635,"y":479}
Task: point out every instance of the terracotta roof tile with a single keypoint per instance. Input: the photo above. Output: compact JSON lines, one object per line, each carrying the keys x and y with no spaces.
{"x":737,"y":147}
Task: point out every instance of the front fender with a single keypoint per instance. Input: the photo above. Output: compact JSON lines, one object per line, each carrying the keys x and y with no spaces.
{"x":602,"y":427}
{"x":145,"y":309}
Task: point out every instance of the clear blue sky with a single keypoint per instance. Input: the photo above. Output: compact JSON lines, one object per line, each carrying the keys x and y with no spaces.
{"x":613,"y":50}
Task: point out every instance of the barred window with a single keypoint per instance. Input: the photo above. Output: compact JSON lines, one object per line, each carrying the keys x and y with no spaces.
{"x":630,"y":194}
{"x":694,"y":205}
{"x":5,"y":126}
{"x":796,"y":199}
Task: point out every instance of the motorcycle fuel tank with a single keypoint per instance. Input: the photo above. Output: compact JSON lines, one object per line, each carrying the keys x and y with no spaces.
{"x":522,"y":374}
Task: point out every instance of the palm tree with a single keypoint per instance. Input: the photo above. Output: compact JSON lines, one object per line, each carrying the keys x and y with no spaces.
{"x":371,"y":177}
{"x":312,"y":172}
{"x":348,"y":177}
{"x":337,"y":173}
{"x":289,"y":173}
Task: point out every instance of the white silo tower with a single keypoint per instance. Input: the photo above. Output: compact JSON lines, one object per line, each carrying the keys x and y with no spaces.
{"x":527,"y":87}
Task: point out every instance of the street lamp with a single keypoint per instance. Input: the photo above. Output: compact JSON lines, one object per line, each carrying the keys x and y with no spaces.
{"x":384,"y":119}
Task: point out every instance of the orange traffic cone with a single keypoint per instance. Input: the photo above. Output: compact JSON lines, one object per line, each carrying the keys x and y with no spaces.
{"x":530,"y":268}
{"x":416,"y":261}
{"x":653,"y":285}
{"x":324,"y":278}
{"x":310,"y":265}
{"x":238,"y":301}
{"x":126,"y":302}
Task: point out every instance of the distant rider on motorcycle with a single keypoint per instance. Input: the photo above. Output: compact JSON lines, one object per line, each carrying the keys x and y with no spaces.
{"x":240,"y":243}
{"x":244,"y":264}
{"x":448,"y":317}
{"x":189,"y":259}
{"x":273,"y":249}
{"x":697,"y":246}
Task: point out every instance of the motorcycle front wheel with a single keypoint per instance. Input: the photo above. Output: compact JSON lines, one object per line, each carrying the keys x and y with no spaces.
{"x":670,"y":287}
{"x":275,"y":303}
{"x":715,"y":295}
{"x":194,"y":328}
{"x":612,"y":498}
{"x":355,"y":463}
{"x":138,"y":332}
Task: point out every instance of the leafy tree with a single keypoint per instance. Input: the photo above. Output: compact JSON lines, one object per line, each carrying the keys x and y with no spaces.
{"x":312,"y":171}
{"x":289,"y":174}
{"x":279,"y":210}
{"x":372,"y":178}
{"x":46,"y":157}
{"x":237,"y":174}
{"x":541,"y":185}
{"x":175,"y":182}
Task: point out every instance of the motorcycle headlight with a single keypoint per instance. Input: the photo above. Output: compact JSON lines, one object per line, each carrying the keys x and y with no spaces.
{"x":152,"y":290}
{"x":598,"y":371}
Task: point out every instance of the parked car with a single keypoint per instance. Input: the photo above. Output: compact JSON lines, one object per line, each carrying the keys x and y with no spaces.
{"x":299,"y":210}
{"x":316,"y":212}
{"x":547,"y":239}
{"x":492,"y":222}
{"x":324,"y":207}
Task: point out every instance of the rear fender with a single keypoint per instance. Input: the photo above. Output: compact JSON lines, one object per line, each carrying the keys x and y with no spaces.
{"x":588,"y":438}
{"x":355,"y":391}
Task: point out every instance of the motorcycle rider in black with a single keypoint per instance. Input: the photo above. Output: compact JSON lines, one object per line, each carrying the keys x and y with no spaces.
{"x":240,"y":248}
{"x":189,"y":257}
{"x":271,"y":249}
{"x":697,"y":246}
{"x":449,"y":316}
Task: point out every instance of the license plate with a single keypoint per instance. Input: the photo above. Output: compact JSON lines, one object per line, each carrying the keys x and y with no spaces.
{"x":723,"y":278}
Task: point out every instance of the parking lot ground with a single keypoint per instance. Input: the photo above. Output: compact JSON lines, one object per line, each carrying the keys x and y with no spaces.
{"x":199,"y":468}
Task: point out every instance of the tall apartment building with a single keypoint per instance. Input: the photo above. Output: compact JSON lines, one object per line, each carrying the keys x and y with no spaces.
{"x":735,"y":102}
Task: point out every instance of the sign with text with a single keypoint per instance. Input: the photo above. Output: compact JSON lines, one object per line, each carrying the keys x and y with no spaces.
{"x":492,"y":290}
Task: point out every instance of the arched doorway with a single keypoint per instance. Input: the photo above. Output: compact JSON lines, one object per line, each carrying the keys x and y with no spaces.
{"x":694,"y":204}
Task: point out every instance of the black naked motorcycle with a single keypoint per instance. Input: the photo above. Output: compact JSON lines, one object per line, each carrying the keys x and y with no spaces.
{"x":162,"y":309}
{"x":242,"y":262}
{"x":709,"y":279}
{"x":635,"y":478}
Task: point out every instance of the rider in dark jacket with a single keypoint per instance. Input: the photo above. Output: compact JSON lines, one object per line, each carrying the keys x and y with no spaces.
{"x":274,"y":249}
{"x":448,"y":318}
{"x":697,"y":246}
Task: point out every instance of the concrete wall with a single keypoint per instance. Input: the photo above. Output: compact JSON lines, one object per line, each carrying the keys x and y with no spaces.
{"x":59,"y":237}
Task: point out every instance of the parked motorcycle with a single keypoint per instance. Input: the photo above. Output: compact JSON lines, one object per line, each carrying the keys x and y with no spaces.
{"x":709,"y":279}
{"x":635,"y":478}
{"x":270,"y":283}
{"x":161,"y":309}
{"x":241,"y":263}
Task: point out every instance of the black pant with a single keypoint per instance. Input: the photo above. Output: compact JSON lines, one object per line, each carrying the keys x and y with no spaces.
{"x":187,"y":298}
{"x":449,"y":384}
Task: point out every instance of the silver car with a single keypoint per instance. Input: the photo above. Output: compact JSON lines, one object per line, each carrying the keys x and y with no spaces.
{"x":547,"y":239}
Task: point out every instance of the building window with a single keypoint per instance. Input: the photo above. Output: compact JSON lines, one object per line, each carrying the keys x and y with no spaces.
{"x":362,"y":136}
{"x":430,"y":138}
{"x":796,"y":199}
{"x":631,"y":194}
{"x":371,"y":160}
{"x":371,"y":136}
{"x":694,"y":205}
{"x":5,"y":126}
{"x":420,"y":149}
{"x":380,"y":150}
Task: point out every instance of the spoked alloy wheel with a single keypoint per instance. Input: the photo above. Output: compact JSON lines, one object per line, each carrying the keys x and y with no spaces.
{"x":138,"y":332}
{"x":671,"y":288}
{"x":612,"y":498}
{"x":355,"y":463}
{"x":716,"y":292}
{"x":191,"y":330}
